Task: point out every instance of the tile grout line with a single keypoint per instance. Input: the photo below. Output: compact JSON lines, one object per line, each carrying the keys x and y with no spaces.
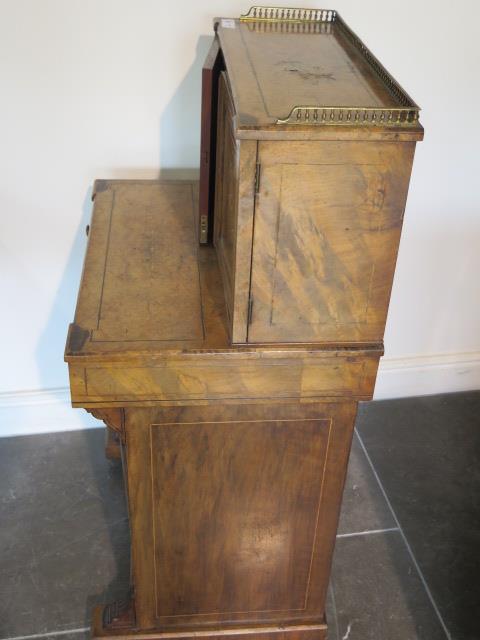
{"x":48,"y":634}
{"x":331,"y":588}
{"x":366,"y":533}
{"x":404,"y":538}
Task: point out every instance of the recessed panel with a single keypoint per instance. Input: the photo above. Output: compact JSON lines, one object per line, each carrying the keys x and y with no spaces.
{"x":150,"y":286}
{"x":327,"y":227}
{"x":235,"y":509}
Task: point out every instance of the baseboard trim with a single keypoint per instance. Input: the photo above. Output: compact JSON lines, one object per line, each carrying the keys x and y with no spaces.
{"x":25,"y":413}
{"x":427,"y":375}
{"x":49,"y":410}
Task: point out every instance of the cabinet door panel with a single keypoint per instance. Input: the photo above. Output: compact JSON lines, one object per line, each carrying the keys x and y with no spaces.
{"x":327,"y":226}
{"x":225,"y":230}
{"x":210,"y":72}
{"x":235,"y":510}
{"x":247,"y":547}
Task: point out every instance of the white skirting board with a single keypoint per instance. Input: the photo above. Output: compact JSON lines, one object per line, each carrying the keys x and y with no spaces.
{"x":427,"y":375}
{"x":44,"y":411}
{"x":49,"y":410}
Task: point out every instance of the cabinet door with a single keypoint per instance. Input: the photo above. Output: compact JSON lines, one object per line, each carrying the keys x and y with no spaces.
{"x":226,"y":191}
{"x":210,"y":73}
{"x":328,"y":218}
{"x":234,"y":511}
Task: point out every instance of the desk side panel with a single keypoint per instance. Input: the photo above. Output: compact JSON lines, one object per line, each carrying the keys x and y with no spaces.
{"x":236,"y":510}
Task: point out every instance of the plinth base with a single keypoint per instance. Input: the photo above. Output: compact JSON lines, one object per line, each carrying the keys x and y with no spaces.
{"x":120,"y":630}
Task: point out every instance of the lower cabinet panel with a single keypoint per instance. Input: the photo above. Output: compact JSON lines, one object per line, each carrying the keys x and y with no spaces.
{"x":235,"y":506}
{"x":235,"y":510}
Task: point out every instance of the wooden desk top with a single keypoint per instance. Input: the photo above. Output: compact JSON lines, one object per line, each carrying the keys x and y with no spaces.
{"x":146,"y":285}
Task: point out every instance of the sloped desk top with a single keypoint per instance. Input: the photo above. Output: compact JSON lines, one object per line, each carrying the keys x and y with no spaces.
{"x":146,"y":285}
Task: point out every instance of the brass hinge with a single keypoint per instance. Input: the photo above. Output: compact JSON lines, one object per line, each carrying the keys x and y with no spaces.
{"x":250,"y":310}
{"x":203,"y":229}
{"x":257,"y":177}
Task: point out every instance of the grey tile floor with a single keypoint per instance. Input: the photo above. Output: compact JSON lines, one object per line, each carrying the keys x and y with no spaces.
{"x":402,"y":568}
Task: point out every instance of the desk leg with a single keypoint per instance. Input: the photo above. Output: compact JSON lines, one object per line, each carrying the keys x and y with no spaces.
{"x":114,"y":420}
{"x":112,"y":444}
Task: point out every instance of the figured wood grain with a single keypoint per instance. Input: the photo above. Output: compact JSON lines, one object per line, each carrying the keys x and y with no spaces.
{"x":300,"y":375}
{"x":258,"y":486}
{"x":126,"y":293}
{"x":137,"y":301}
{"x":327,"y":227}
{"x":262,"y":525}
{"x":146,"y":286}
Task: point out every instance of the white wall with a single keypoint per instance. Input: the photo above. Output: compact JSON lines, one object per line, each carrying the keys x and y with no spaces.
{"x":111,"y":88}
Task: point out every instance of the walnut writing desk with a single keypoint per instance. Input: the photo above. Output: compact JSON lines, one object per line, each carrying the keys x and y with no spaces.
{"x":225,"y":333}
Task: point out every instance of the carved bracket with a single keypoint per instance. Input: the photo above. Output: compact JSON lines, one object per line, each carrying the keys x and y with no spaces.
{"x":119,"y":614}
{"x":113,"y":418}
